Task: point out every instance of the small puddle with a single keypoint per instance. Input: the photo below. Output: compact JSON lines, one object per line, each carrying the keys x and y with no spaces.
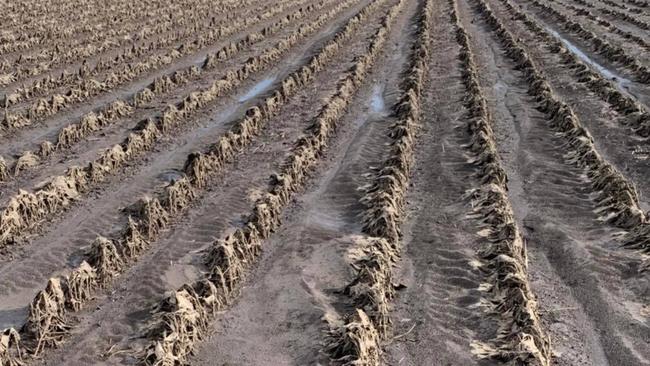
{"x":621,"y":82}
{"x":377,"y":104}
{"x":257,"y":89}
{"x":170,"y":176}
{"x":13,"y":318}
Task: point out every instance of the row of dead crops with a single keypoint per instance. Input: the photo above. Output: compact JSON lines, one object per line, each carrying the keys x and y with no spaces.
{"x":27,"y":210}
{"x":24,"y":31}
{"x":194,"y":34}
{"x":635,"y":3}
{"x":613,"y":53}
{"x":520,"y":338}
{"x":617,"y":199}
{"x":356,"y":338}
{"x":637,"y":114}
{"x":29,"y":64}
{"x":49,"y":322}
{"x":94,"y":121}
{"x":126,"y":24}
{"x":89,"y":40}
{"x":85,"y":87}
{"x":182,"y":319}
{"x":126,"y":64}
{"x":623,"y":15}
{"x":610,"y":27}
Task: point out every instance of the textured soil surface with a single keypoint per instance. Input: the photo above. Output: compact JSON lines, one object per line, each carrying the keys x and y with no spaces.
{"x":589,"y":291}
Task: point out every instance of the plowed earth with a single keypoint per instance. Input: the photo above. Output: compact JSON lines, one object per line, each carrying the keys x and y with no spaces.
{"x":302,"y":182}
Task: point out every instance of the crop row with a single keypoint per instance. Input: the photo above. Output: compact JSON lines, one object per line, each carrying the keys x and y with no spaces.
{"x":126,"y":64}
{"x":38,"y":30}
{"x":638,"y":3}
{"x":58,"y":44}
{"x":85,"y":87}
{"x":619,"y":5}
{"x":32,"y":64}
{"x":520,"y":338}
{"x":27,"y":210}
{"x":49,"y":321}
{"x":182,"y":318}
{"x":96,"y":120}
{"x":626,"y":17}
{"x":613,"y":53}
{"x":356,"y":340}
{"x":611,"y":27}
{"x":617,"y":199}
{"x":130,"y":59}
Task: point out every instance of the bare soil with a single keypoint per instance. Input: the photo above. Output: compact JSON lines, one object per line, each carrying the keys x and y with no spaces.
{"x":591,"y":293}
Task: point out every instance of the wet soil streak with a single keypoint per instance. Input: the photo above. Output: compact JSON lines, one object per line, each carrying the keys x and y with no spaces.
{"x":597,"y":78}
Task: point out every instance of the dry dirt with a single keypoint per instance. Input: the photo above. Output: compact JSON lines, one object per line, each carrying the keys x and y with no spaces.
{"x":325,"y":182}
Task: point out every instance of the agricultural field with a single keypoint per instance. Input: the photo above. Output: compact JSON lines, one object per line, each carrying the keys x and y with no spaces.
{"x":325,"y":182}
